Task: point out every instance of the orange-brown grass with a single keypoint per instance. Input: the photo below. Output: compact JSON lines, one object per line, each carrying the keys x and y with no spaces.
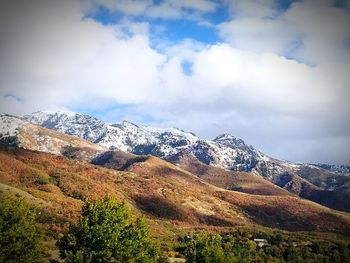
{"x":170,"y":197}
{"x":284,"y":211}
{"x":35,"y":137}
{"x":238,"y":181}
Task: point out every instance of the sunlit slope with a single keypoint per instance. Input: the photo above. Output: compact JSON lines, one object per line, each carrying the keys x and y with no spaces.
{"x":166,"y":194}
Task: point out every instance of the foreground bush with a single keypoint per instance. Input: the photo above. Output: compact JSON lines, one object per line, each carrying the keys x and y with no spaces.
{"x":20,"y":240}
{"x":106,"y":233}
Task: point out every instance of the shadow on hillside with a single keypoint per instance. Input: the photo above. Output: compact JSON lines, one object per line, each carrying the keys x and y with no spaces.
{"x":333,"y":199}
{"x":277,"y":218}
{"x":160,"y":207}
{"x":213,"y":220}
{"x":117,"y":160}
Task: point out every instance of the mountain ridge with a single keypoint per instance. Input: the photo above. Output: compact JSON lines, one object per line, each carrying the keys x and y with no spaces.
{"x":224,"y":152}
{"x":161,"y":142}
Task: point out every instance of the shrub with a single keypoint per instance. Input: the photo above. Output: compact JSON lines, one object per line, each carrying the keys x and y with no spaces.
{"x":205,"y":248}
{"x":42,"y":181}
{"x":9,"y":140}
{"x":70,"y":151}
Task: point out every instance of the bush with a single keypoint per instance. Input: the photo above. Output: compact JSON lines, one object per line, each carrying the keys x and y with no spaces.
{"x":9,"y":140}
{"x":205,"y":248}
{"x":70,"y":151}
{"x":105,"y":233}
{"x":20,"y":240}
{"x":42,"y":181}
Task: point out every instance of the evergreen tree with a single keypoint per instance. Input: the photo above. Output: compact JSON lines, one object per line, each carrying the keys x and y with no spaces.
{"x":105,"y":233}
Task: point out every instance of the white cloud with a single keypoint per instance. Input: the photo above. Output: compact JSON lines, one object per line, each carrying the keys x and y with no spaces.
{"x":253,"y":8}
{"x":175,"y":9}
{"x":259,"y":34}
{"x":311,"y":31}
{"x":324,"y":30}
{"x":51,"y":57}
{"x":58,"y":56}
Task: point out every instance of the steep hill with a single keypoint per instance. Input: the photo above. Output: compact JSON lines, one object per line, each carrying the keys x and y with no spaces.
{"x":169,"y":196}
{"x":231,"y":180}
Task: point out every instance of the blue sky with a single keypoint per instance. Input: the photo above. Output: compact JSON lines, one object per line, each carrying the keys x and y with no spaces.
{"x":274,"y":73}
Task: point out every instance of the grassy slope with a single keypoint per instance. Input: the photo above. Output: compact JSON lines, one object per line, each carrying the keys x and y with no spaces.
{"x":250,"y":183}
{"x":37,"y":138}
{"x":171,"y":198}
{"x":238,"y":181}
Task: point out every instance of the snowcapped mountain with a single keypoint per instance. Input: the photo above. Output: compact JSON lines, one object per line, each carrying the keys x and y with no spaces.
{"x":15,"y":131}
{"x":225,"y":151}
{"x":124,"y":136}
{"x":76,"y":124}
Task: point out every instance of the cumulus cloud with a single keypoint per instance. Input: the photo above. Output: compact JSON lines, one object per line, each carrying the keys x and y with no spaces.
{"x":53,"y":55}
{"x":62,"y":57}
{"x":311,"y":31}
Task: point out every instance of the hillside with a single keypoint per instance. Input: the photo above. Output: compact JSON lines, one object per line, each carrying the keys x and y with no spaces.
{"x":18,"y":132}
{"x":171,"y":198}
{"x":303,"y":188}
{"x":230,"y":180}
{"x":184,"y":149}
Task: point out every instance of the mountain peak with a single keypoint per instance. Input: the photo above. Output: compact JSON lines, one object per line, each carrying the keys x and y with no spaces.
{"x":55,"y":112}
{"x":126,"y":123}
{"x":233,"y":142}
{"x":225,"y":136}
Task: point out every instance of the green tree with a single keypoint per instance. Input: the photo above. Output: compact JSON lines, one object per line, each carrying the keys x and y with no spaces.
{"x":20,"y":240}
{"x":205,"y":248}
{"x":106,"y":233}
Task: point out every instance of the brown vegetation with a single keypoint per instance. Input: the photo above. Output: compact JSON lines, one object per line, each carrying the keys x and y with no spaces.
{"x":238,"y":181}
{"x":169,"y":196}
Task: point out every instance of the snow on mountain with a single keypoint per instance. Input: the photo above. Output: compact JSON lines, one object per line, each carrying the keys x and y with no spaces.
{"x":76,"y":124}
{"x":338,"y":169}
{"x":10,"y":125}
{"x":16,"y":131}
{"x":225,"y":151}
{"x":233,"y":142}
